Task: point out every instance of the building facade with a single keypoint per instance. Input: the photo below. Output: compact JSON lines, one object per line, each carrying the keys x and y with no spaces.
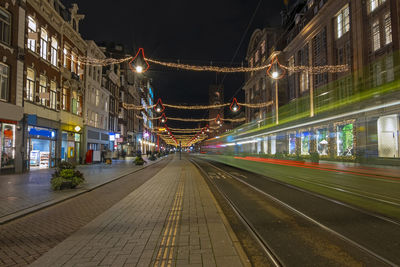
{"x":345,"y":115}
{"x":12,"y":24}
{"x":96,"y":109}
{"x":53,"y":84}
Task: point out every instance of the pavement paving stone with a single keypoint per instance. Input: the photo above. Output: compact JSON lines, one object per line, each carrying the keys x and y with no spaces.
{"x":27,"y":192}
{"x":131,"y":232}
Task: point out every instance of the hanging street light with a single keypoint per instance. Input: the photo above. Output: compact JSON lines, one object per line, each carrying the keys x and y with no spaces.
{"x":139,"y":63}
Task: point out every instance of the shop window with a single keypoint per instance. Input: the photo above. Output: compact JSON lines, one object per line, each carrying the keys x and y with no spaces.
{"x":30,"y":84}
{"x":32,"y":34}
{"x":304,"y":82}
{"x":345,"y":140}
{"x":322,"y":142}
{"x":44,"y":43}
{"x":4,"y":82}
{"x":292,"y":143}
{"x":54,"y":48}
{"x":53,"y":95}
{"x":388,"y":137}
{"x":5,"y":27}
{"x":273,"y":145}
{"x":7,"y":145}
{"x":305,"y":143}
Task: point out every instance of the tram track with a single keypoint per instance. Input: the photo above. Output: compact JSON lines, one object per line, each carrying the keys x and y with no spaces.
{"x":323,"y":244}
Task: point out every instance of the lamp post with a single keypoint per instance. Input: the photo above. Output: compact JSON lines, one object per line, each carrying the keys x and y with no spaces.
{"x":275,"y":76}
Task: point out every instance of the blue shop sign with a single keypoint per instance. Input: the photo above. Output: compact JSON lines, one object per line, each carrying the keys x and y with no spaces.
{"x":42,"y":132}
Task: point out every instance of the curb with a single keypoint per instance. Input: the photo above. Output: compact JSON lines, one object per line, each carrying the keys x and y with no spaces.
{"x":18,"y":214}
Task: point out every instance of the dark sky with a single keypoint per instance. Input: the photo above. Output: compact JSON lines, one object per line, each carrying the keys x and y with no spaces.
{"x":194,"y":32}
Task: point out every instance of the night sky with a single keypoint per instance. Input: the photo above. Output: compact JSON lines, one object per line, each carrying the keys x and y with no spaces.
{"x":194,"y":32}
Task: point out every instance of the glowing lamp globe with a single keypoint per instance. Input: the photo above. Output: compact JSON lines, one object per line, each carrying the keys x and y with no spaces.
{"x":275,"y":74}
{"x":139,"y":69}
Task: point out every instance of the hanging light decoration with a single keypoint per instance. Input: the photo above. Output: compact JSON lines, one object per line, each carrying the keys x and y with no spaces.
{"x":159,"y":107}
{"x":235,"y":107}
{"x":163,"y":118}
{"x":139,"y":63}
{"x":276,"y":71}
{"x":218,"y":120}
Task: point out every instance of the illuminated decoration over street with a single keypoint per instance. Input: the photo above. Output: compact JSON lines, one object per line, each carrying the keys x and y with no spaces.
{"x":139,"y":63}
{"x":235,"y":107}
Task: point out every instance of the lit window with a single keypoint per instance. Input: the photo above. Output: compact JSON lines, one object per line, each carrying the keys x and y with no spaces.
{"x":30,"y":84}
{"x":388,"y":29}
{"x":54,"y":48}
{"x":263,"y":47}
{"x":65,"y":100}
{"x":97,"y":98}
{"x":257,"y":56}
{"x":304,"y":81}
{"x":43,"y":89}
{"x":5,"y":27}
{"x":65,"y":53}
{"x":4,"y":82}
{"x":44,"y":40}
{"x":343,"y":22}
{"x":373,"y":4}
{"x":53,"y":95}
{"x":32,"y":34}
{"x":376,"y":36}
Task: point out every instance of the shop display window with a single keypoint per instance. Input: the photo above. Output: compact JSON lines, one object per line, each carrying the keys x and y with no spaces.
{"x":7,"y":145}
{"x":292,"y":143}
{"x":305,"y":143}
{"x":345,"y":140}
{"x":322,"y":142}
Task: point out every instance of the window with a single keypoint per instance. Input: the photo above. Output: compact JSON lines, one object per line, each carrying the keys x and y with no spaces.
{"x":257,"y":56}
{"x":4,"y":82}
{"x":97,"y":98}
{"x":376,"y":41}
{"x":263,"y":47}
{"x":54,"y":48}
{"x":65,"y":99}
{"x":30,"y":84}
{"x":53,"y":95}
{"x":373,"y":4}
{"x":389,"y":68}
{"x":304,"y":81}
{"x":73,"y":63}
{"x":343,"y":22}
{"x":43,"y":89}
{"x":32,"y":34}
{"x":44,"y":40}
{"x":388,"y":29}
{"x":5,"y":27}
{"x":74,"y":102}
{"x":65,"y":60}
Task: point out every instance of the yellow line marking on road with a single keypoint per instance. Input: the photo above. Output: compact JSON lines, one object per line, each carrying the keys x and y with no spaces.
{"x":166,"y":251}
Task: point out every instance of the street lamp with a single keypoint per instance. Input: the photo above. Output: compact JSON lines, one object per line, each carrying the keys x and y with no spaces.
{"x":276,"y":72}
{"x":139,"y":69}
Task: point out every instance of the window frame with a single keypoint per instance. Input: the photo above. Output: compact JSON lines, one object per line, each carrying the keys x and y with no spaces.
{"x":3,"y":25}
{"x":32,"y":42}
{"x":54,"y":51}
{"x":30,"y":86}
{"x":342,"y":22}
{"x":376,"y":35}
{"x":4,"y":91}
{"x":53,"y":94}
{"x":42,"y":88}
{"x":44,"y":44}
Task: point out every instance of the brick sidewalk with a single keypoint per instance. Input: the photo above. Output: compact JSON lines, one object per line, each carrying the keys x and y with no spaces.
{"x":170,"y":220}
{"x":24,"y":193}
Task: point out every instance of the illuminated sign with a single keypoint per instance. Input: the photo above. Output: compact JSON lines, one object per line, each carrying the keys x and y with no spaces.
{"x":112,"y":137}
{"x":151,"y":92}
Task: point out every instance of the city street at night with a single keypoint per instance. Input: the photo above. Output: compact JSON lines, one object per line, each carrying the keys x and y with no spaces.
{"x":212,"y":133}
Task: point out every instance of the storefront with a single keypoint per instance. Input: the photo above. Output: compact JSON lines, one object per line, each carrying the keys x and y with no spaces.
{"x":322,"y":141}
{"x":95,"y":141}
{"x":7,"y":145}
{"x":305,"y":143}
{"x":292,"y":143}
{"x":71,"y":144}
{"x":388,"y":136}
{"x":345,"y":140}
{"x":41,"y":147}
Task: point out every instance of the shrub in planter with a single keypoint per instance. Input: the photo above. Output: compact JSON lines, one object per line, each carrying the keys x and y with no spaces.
{"x":314,"y":157}
{"x":139,"y":160}
{"x":66,"y":177}
{"x":152,"y":157}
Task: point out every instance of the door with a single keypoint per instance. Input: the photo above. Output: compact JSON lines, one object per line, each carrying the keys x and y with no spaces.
{"x":388,"y":136}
